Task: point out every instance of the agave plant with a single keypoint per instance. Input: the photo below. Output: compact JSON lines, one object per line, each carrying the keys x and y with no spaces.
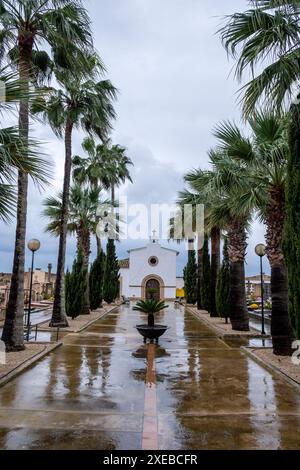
{"x":150,"y":307}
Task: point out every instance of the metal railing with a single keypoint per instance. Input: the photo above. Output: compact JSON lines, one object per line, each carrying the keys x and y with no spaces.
{"x":35,"y":329}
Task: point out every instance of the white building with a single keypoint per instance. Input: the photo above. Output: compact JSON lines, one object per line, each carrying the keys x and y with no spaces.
{"x":150,"y":272}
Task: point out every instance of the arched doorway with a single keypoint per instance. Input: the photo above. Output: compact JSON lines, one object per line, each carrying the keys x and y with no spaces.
{"x":153,"y":286}
{"x":153,"y":289}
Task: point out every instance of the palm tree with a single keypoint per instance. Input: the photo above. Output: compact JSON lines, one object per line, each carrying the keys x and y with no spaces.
{"x":91,"y":170}
{"x":266,"y":172}
{"x":214,"y":232}
{"x":82,"y":221}
{"x":150,"y":307}
{"x":15,"y":154}
{"x":81,"y":102}
{"x":265,"y":36}
{"x":237,"y":244}
{"x":182,"y":219}
{"x":25,"y":26}
{"x":223,"y":186}
{"x":107,"y":166}
{"x":118,"y":160}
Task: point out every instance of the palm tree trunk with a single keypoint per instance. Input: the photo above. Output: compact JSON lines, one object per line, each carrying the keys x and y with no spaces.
{"x":199,"y":272}
{"x":215,"y":266}
{"x":13,"y":331}
{"x":281,"y":329}
{"x":86,"y":249}
{"x":113,"y":194}
{"x":99,"y":246}
{"x":95,"y":186}
{"x":113,"y":200}
{"x":59,"y":317}
{"x":151,"y":320}
{"x":237,"y":246}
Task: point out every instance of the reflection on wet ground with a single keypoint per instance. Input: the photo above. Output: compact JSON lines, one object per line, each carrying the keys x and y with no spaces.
{"x":103,"y":390}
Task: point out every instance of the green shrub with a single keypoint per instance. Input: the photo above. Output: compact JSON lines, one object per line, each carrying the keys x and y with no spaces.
{"x":96,"y":281}
{"x":75,"y":287}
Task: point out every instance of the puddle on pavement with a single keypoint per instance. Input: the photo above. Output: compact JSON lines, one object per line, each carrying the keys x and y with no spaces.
{"x":89,"y":394}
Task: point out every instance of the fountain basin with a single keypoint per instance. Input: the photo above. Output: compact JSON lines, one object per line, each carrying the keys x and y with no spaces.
{"x":153,"y":333}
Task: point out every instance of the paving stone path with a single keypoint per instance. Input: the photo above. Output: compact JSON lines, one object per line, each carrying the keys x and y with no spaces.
{"x":105,"y":389}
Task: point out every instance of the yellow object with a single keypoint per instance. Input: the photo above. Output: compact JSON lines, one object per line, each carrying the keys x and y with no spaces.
{"x":180,"y":293}
{"x":254,"y":306}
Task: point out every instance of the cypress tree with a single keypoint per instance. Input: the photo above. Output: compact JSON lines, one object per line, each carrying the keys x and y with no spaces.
{"x":111,"y":274}
{"x":223,"y":286}
{"x":76,"y":285}
{"x":206,"y":277}
{"x":190,"y":278}
{"x":292,"y":231}
{"x":96,"y":281}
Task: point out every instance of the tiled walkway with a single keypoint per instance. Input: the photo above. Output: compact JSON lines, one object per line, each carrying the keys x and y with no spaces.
{"x":104,"y":389}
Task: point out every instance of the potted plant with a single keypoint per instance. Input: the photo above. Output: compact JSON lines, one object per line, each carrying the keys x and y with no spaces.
{"x":150,"y":307}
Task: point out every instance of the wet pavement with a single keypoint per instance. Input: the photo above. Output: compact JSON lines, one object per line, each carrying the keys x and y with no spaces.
{"x":104,"y":389}
{"x":39,"y":316}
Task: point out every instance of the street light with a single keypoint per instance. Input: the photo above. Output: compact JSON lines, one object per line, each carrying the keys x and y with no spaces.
{"x":260,"y":250}
{"x":33,"y":246}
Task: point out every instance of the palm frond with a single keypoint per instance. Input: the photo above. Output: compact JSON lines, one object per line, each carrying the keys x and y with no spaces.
{"x":8,"y":202}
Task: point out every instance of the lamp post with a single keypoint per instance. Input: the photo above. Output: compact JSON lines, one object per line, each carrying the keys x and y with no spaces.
{"x":260,"y":250}
{"x":33,"y":246}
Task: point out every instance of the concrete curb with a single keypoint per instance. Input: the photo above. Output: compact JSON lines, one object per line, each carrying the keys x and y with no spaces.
{"x":49,"y":347}
{"x":45,"y":329}
{"x":94,"y":321}
{"x":270,"y":367}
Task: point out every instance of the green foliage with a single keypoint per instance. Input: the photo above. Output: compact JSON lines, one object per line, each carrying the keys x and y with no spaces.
{"x":152,"y":292}
{"x":96,"y":281}
{"x":150,"y":306}
{"x":292,"y":232}
{"x":206,"y":278}
{"x":15,"y":152}
{"x":223,"y":286}
{"x":75,"y":287}
{"x":111,"y":274}
{"x":82,"y":100}
{"x":190,"y":278}
{"x":268,"y":305}
{"x":264,"y":40}
{"x":106,"y":165}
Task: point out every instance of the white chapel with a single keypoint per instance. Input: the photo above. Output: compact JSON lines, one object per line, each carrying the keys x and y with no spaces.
{"x":150,"y":271}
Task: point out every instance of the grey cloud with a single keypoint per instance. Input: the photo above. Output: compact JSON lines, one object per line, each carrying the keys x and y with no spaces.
{"x":174,"y":82}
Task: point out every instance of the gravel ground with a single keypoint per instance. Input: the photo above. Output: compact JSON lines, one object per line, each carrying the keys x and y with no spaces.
{"x":220,"y":327}
{"x":16,"y":359}
{"x":284,"y":364}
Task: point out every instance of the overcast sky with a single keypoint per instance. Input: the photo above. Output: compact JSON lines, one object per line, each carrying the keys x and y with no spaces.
{"x":174,"y":84}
